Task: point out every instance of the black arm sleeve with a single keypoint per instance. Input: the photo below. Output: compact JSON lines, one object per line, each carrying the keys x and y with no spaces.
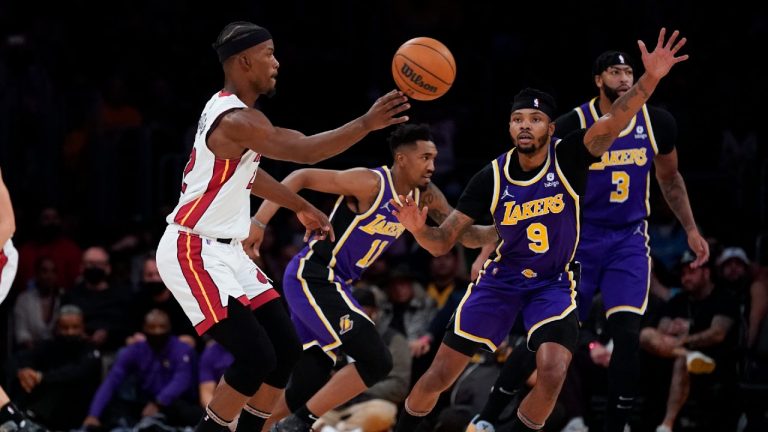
{"x":475,"y":201}
{"x":567,"y":123}
{"x":664,"y":129}
{"x":575,"y":159}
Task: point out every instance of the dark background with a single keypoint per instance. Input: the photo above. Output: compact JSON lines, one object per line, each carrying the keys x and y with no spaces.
{"x":63,"y":62}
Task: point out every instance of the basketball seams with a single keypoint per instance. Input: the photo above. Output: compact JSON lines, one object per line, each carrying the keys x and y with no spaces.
{"x":425,"y":69}
{"x":450,"y":63}
{"x":418,"y":90}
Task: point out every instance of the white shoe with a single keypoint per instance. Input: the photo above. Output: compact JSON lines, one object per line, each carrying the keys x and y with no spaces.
{"x":480,"y":426}
{"x":662,"y":428}
{"x":699,"y":363}
{"x":576,"y":425}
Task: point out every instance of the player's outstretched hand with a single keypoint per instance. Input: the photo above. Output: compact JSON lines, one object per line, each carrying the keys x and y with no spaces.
{"x":658,"y":62}
{"x":409,"y":214}
{"x":384,"y":111}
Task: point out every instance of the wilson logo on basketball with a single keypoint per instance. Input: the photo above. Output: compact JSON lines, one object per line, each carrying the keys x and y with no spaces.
{"x":417,"y":78}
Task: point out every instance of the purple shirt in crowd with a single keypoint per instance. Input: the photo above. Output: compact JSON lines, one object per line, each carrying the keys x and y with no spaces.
{"x":213,"y":362}
{"x":163,"y":376}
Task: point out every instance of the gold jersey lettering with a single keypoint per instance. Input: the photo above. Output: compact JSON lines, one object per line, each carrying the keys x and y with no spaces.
{"x":513,"y":212}
{"x":636,"y":156}
{"x":381,"y":226}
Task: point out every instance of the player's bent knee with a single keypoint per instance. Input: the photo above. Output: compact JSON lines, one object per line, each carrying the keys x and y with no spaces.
{"x":374,"y":367}
{"x":564,"y":331}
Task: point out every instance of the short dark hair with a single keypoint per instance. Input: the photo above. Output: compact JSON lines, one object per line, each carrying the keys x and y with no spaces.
{"x":408,"y":134}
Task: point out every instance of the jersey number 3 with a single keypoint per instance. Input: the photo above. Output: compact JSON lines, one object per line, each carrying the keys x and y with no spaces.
{"x":537,"y":234}
{"x":621,"y":180}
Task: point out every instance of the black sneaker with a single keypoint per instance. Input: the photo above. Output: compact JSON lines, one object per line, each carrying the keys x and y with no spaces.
{"x":291,"y":424}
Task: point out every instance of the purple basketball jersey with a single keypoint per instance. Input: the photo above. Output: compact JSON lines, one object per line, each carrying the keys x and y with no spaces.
{"x":617,"y":189}
{"x":361,"y":238}
{"x":537,"y":220}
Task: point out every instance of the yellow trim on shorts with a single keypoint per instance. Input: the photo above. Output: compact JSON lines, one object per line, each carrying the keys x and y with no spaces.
{"x":641,"y":309}
{"x":565,"y":313}
{"x":457,"y":322}
{"x":318,"y":311}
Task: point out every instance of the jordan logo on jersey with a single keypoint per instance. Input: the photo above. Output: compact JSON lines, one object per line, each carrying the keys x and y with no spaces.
{"x":380,"y":225}
{"x":514,"y":212}
{"x":386,"y":207}
{"x":506,"y":193}
{"x":345,"y":324}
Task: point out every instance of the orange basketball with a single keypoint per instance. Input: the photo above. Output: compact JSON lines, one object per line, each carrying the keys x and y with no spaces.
{"x":423,"y":68}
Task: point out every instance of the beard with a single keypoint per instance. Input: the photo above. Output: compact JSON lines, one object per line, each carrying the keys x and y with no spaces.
{"x":535,"y":147}
{"x":611,"y":93}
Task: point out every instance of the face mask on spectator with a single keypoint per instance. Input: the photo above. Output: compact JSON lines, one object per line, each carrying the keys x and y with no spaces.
{"x":157,"y":341}
{"x":153,"y":288}
{"x":94,"y":275}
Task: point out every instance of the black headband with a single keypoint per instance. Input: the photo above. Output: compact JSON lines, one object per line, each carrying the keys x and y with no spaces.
{"x":241,"y":43}
{"x":608,"y":59}
{"x":535,"y":99}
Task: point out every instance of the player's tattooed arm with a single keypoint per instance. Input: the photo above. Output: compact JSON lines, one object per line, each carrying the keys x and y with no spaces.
{"x":474,"y":236}
{"x":657,"y":64}
{"x":437,"y":240}
{"x":673,"y":189}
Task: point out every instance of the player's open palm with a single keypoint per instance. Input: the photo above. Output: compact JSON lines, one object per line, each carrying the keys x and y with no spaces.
{"x":384,"y":111}
{"x":658,"y":62}
{"x":316,"y":223}
{"x":408,"y":213}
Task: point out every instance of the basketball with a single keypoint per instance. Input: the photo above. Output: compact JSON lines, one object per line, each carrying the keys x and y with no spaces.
{"x":423,"y":68}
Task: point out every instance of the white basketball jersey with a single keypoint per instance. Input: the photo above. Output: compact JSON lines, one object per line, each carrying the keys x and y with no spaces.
{"x":215,"y":193}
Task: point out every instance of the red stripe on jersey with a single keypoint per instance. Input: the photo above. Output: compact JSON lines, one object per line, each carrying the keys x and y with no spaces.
{"x":205,"y":291}
{"x":3,"y":262}
{"x":263,"y":298}
{"x":190,"y":213}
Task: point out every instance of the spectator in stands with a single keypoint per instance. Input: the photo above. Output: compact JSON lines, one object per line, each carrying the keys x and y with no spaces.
{"x":153,"y":294}
{"x":50,"y":241}
{"x":36,"y":309}
{"x":164,"y":370}
{"x":61,"y":375}
{"x":699,"y":331}
{"x":103,"y":305}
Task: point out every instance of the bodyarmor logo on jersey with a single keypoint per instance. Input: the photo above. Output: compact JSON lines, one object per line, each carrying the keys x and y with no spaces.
{"x":514,"y":213}
{"x":201,"y":123}
{"x":551,"y":182}
{"x":629,"y":156}
{"x":529,"y":273}
{"x":345,"y":324}
{"x":640,"y":132}
{"x":380,"y":225}
{"x":506,"y":193}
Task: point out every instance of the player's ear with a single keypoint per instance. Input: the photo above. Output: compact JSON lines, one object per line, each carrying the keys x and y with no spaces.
{"x":551,"y":128}
{"x":244,"y":61}
{"x":599,"y":81}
